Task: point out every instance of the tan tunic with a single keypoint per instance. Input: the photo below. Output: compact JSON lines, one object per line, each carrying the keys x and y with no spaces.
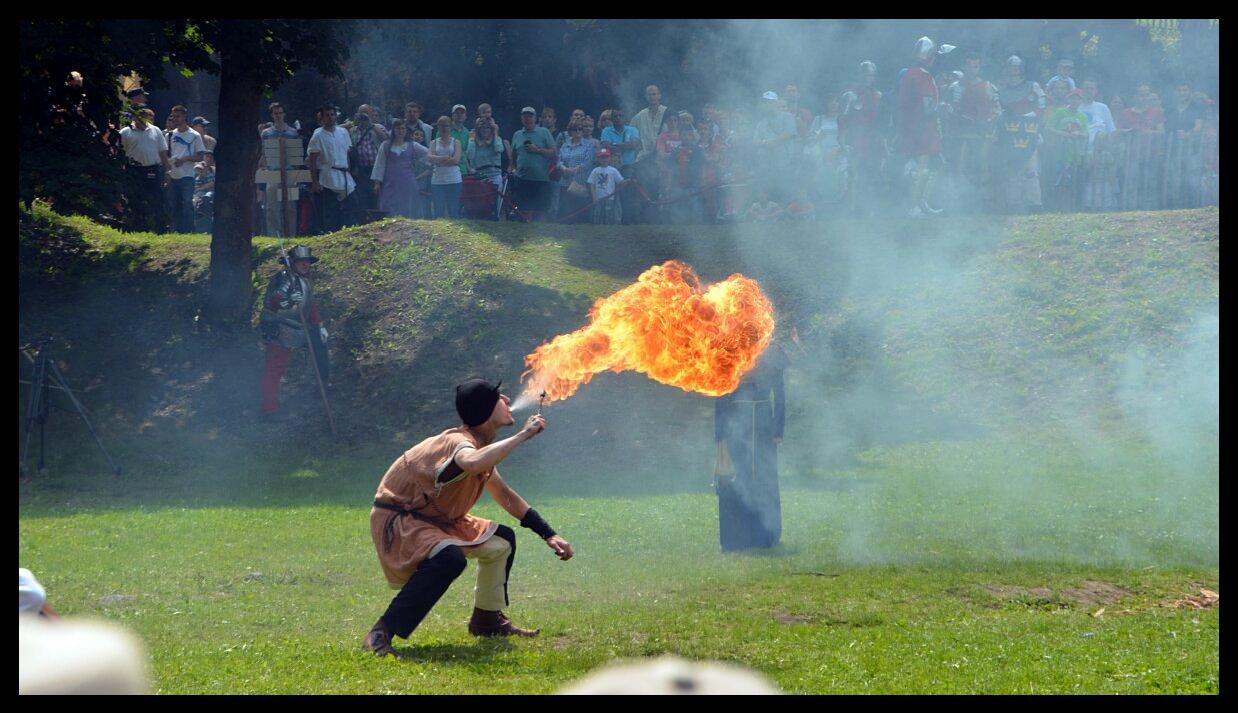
{"x":435,"y":514}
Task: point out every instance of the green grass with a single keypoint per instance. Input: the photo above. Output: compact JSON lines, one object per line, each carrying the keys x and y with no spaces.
{"x":987,"y":443}
{"x":262,"y":578}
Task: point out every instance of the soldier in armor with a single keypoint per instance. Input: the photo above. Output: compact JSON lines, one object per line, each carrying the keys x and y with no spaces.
{"x":1023,"y":104}
{"x":860,"y":135}
{"x":288,"y":308}
{"x":1020,"y":95}
{"x":975,"y":107}
{"x":919,"y":132}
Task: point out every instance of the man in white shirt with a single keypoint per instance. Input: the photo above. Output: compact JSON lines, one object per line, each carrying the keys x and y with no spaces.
{"x":328,"y":160}
{"x":185,"y":149}
{"x":148,"y":168}
{"x":648,"y":122}
{"x":1100,"y":119}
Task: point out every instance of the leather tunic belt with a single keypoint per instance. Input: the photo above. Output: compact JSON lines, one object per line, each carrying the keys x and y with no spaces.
{"x":397,"y":511}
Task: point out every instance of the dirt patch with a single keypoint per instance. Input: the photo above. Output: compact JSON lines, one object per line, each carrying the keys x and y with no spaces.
{"x":561,"y":642}
{"x":1094,"y":593}
{"x":112,"y":599}
{"x":1003,"y":591}
{"x":785,"y":618}
{"x":1206,"y":599}
{"x":1090,"y":593}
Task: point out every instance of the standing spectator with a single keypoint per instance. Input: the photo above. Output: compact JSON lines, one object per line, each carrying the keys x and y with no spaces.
{"x":549,"y":122}
{"x":534,"y":149}
{"x":1100,"y":188}
{"x":802,"y":116}
{"x":604,"y":121}
{"x":1184,"y":124}
{"x":774,"y":141}
{"x":1141,"y":188}
{"x":276,"y":128}
{"x":137,"y":96}
{"x":627,"y":141}
{"x":147,"y":168}
{"x":1117,"y":107}
{"x":203,"y":197}
{"x":604,"y":182}
{"x":576,"y":157}
{"x":366,"y":135}
{"x":1019,"y":95}
{"x":718,"y":157}
{"x":1057,"y":97}
{"x":975,"y":107}
{"x":682,"y":169}
{"x":824,"y":153}
{"x":1100,"y":119}
{"x":1066,"y":136}
{"x":1019,"y":170}
{"x":423,"y":169}
{"x":460,"y":132}
{"x":485,"y":157}
{"x":1065,"y":68}
{"x":412,"y":118}
{"x":861,"y":136}
{"x":648,"y":122}
{"x":394,"y":174}
{"x":185,"y":148}
{"x":485,"y":111}
{"x":445,"y":183}
{"x":919,"y":134}
{"x":668,"y":145}
{"x":199,"y":125}
{"x":332,"y":183}
{"x":586,"y":133}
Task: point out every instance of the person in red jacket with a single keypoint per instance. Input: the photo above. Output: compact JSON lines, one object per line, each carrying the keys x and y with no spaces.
{"x":860,"y":136}
{"x":919,"y":134}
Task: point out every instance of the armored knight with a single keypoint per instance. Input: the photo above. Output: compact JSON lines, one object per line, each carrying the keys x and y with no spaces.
{"x":290,"y":320}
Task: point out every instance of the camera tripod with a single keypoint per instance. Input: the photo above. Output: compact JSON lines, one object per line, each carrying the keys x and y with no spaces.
{"x":47,"y":377}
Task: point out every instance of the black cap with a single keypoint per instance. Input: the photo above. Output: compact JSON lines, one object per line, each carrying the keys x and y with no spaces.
{"x":136,"y":91}
{"x":475,"y":400}
{"x":199,"y":120}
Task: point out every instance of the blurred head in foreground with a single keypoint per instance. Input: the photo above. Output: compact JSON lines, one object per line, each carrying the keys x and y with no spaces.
{"x":671,"y":675}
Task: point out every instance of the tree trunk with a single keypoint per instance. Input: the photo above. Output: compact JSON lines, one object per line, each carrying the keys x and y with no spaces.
{"x":231,"y":290}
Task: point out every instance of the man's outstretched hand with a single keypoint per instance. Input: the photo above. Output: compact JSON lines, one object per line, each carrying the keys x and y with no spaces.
{"x":535,"y":425}
{"x":562,"y":547}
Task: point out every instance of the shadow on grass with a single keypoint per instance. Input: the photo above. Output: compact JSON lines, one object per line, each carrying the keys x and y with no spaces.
{"x":481,"y":651}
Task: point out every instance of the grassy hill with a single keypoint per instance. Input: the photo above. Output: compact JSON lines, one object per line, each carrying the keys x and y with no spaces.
{"x":909,"y":330}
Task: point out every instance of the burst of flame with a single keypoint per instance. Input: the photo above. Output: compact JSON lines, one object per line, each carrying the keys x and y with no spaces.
{"x":664,"y":326}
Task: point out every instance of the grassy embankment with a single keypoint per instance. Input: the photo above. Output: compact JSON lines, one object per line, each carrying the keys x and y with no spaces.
{"x":996,"y":490}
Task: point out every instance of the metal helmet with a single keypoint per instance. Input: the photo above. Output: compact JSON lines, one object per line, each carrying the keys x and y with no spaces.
{"x":301,"y":252}
{"x":924,"y":48}
{"x":867,"y":66}
{"x":1014,"y":61}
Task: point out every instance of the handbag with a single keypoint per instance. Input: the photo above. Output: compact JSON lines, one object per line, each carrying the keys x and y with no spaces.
{"x":577,"y":190}
{"x":554,"y":173}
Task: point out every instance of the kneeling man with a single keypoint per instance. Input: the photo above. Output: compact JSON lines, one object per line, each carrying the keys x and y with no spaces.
{"x":423,"y":530}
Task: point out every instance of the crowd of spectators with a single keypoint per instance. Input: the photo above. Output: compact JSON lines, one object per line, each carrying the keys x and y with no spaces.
{"x":952,"y":141}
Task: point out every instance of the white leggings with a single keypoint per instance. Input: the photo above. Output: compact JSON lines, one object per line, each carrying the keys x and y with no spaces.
{"x":491,"y":557}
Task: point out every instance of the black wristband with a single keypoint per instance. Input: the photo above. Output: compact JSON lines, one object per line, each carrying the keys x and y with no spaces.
{"x":534,"y":522}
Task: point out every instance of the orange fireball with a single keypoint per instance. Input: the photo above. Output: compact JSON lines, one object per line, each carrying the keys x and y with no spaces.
{"x":664,"y":326}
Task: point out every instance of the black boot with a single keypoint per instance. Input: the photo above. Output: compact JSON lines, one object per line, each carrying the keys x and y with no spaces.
{"x":493,"y":623}
{"x":379,"y":640}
